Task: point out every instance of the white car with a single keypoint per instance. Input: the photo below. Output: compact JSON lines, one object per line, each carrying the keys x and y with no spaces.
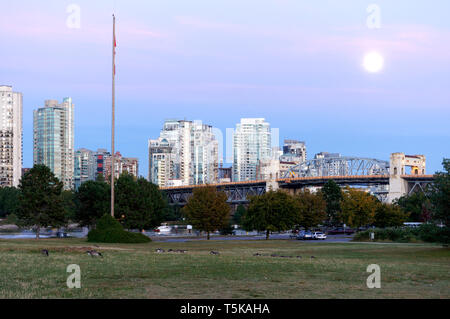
{"x":319,"y":235}
{"x":164,"y":229}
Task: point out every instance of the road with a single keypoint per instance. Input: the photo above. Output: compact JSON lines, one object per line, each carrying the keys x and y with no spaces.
{"x":330,"y":238}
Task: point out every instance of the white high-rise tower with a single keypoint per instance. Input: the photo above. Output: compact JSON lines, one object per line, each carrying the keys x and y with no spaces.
{"x":54,"y":139}
{"x":251,"y":144}
{"x":186,"y":153}
{"x":10,"y":136}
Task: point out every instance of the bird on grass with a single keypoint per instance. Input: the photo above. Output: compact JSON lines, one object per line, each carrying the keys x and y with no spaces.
{"x":257,"y":254}
{"x":94,"y":253}
{"x":159,"y":250}
{"x":299,"y":257}
{"x":212,"y":252}
{"x":312,"y":257}
{"x":44,"y":252}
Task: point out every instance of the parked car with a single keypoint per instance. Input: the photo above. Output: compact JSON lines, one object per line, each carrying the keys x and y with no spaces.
{"x":304,"y":235}
{"x":412,"y":225}
{"x":319,"y":235}
{"x":61,"y":234}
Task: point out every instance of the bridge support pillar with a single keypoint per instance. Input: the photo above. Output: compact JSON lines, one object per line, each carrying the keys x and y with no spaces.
{"x":398,"y":186}
{"x":271,"y":185}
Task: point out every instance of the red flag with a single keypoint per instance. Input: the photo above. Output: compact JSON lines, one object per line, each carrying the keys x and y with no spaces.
{"x":115,"y":44}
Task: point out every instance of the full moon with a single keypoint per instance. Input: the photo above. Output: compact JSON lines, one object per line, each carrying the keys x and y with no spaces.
{"x":373,"y":62}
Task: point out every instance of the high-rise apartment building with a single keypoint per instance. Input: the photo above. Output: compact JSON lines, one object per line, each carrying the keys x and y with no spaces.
{"x":333,"y":166}
{"x":161,"y":162}
{"x":326,"y":155}
{"x":186,"y":153}
{"x":121,"y":165}
{"x":99,"y":161}
{"x":84,"y":166}
{"x":10,"y":136}
{"x":53,"y":139}
{"x":251,"y":144}
{"x":293,"y":151}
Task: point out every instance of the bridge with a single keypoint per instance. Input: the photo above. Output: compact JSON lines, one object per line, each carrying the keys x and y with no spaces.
{"x":339,"y":166}
{"x":386,"y":180}
{"x":238,"y":192}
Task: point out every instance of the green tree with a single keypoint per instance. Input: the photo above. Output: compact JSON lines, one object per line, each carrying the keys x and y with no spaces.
{"x":357,"y":208}
{"x":9,"y":200}
{"x":12,"y":219}
{"x":68,"y":197}
{"x":272,"y":211}
{"x":126,"y":199}
{"x":332,"y":194}
{"x":41,"y":203}
{"x":173,"y":213}
{"x":440,"y":196}
{"x":389,"y":215}
{"x":139,"y":204}
{"x":240,"y":211}
{"x":417,"y":205}
{"x":152,"y":207}
{"x":311,"y":209}
{"x":93,"y":200}
{"x":207,"y":209}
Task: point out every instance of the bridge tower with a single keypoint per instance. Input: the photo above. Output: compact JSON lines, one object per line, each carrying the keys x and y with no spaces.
{"x":398,"y":186}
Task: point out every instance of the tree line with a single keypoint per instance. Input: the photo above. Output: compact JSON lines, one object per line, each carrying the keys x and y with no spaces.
{"x":330,"y":206}
{"x":40,"y":201}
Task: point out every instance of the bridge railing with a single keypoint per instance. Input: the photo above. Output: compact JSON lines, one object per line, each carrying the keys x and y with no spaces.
{"x":215,"y":185}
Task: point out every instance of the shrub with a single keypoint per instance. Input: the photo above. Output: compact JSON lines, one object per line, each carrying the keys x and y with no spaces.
{"x":109,"y":223}
{"x":434,"y":234}
{"x":426,"y":232}
{"x":110,"y":230}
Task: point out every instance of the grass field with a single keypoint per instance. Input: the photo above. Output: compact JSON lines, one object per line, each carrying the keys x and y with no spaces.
{"x":137,"y":271}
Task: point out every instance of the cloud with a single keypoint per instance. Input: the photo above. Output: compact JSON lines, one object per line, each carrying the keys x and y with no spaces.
{"x":47,"y":27}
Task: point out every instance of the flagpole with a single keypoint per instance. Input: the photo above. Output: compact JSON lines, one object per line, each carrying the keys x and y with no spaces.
{"x":113,"y":114}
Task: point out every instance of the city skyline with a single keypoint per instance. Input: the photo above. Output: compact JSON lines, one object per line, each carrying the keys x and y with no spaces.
{"x":218,"y":65}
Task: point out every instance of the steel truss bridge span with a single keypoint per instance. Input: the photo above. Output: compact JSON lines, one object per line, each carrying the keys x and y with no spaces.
{"x":238,"y":192}
{"x":339,"y":166}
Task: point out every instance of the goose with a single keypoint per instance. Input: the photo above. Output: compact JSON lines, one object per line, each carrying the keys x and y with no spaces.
{"x":94,"y":253}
